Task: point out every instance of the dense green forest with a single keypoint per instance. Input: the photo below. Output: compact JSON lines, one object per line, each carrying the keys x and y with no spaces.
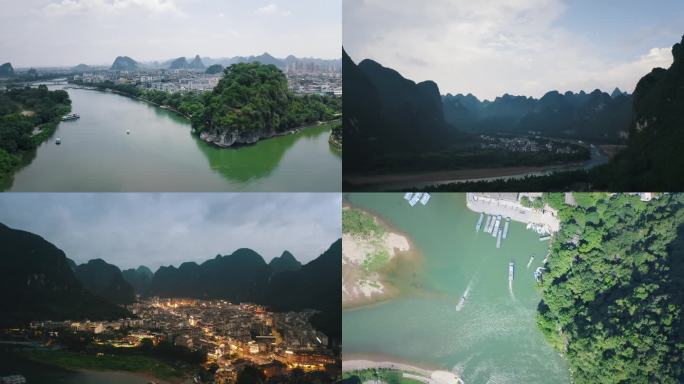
{"x":613,"y":293}
{"x":249,"y":97}
{"x":22,"y":110}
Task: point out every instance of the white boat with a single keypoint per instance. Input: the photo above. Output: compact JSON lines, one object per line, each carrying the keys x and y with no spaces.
{"x":496,"y":226}
{"x":511,"y":270}
{"x":415,"y":199}
{"x":479,"y":222}
{"x":426,"y":197}
{"x":489,"y":220}
{"x":128,"y":131}
{"x":498,"y":238}
{"x":408,"y":196}
{"x":71,"y":116}
{"x":58,"y":141}
{"x":505,"y":231}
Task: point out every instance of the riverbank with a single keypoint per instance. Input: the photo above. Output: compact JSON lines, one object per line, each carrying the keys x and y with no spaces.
{"x":368,"y":257}
{"x":236,"y":139}
{"x":138,"y":365}
{"x":408,"y":371}
{"x":490,"y":205}
{"x":425,"y":179}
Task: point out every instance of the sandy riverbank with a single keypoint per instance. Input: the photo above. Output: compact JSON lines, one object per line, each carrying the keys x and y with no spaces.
{"x":410,"y":371}
{"x":361,"y":285}
{"x":402,"y":180}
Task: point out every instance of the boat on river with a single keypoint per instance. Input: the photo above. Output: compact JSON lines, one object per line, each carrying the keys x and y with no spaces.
{"x":479,"y":222}
{"x":487,"y":224}
{"x":505,"y":231}
{"x":498,"y":238}
{"x":426,"y":197}
{"x":511,"y":270}
{"x":415,"y":199}
{"x":58,"y":141}
{"x":71,"y":116}
{"x":496,"y":226}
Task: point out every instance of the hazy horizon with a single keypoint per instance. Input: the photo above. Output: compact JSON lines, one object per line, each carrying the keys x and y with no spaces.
{"x":65,"y":33}
{"x":161,"y":229}
{"x":526,"y":47}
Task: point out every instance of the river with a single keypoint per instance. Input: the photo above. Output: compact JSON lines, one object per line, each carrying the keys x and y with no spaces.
{"x":492,"y":337}
{"x":160,"y":154}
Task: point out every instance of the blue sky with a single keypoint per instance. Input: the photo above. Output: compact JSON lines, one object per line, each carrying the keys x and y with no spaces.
{"x":527,"y":47}
{"x":69,"y":32}
{"x":153,"y":229}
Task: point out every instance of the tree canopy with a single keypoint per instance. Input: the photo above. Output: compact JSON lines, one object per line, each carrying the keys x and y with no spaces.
{"x":613,"y":293}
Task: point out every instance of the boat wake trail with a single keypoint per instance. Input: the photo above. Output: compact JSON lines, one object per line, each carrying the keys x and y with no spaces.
{"x":510,"y":289}
{"x":462,"y":300}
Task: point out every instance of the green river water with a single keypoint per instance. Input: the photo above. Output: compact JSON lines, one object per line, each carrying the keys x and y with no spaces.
{"x":160,"y":154}
{"x":493,"y":338}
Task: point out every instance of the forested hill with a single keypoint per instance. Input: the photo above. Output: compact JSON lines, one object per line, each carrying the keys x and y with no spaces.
{"x":252,"y":101}
{"x":596,"y":116}
{"x":28,"y":116}
{"x":389,"y":115}
{"x":613,"y":295}
{"x":38,"y":284}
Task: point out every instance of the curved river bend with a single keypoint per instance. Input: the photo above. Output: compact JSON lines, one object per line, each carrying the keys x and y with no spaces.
{"x":160,"y":154}
{"x":492,"y":337}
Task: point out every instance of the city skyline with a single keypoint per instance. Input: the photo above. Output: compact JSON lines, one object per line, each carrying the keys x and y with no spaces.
{"x":155,"y":230}
{"x":526,"y":47}
{"x":157,"y":30}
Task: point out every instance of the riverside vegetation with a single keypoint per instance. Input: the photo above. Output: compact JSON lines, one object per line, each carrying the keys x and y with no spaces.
{"x":250,"y":102}
{"x":613,"y":295}
{"x":28,"y":116}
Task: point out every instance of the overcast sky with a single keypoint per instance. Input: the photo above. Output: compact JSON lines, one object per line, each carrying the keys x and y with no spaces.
{"x":527,"y":47}
{"x":128,"y":230}
{"x":69,"y":32}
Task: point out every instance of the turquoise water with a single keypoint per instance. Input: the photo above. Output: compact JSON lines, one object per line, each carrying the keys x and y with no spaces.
{"x":493,"y":338}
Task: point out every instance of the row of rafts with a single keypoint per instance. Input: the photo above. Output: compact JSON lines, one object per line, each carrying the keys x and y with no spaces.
{"x":493,"y":227}
{"x":75,"y":116}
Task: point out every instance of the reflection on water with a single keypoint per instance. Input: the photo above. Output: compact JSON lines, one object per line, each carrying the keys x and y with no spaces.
{"x":160,"y":154}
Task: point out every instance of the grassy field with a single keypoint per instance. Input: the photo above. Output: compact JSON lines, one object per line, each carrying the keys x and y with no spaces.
{"x":109,"y":362}
{"x":358,"y":223}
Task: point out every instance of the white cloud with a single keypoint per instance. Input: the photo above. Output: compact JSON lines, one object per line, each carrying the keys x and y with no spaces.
{"x":272,"y":9}
{"x":267,"y":9}
{"x":487,"y":47}
{"x":69,"y":7}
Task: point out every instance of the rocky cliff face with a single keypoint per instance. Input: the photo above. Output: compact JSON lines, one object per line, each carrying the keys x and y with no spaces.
{"x":652,"y":160}
{"x":225,"y":138}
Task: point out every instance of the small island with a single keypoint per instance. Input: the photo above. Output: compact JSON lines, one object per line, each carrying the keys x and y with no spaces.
{"x":368,"y":247}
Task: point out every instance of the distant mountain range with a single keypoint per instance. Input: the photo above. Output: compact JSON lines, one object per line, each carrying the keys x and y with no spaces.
{"x":125,"y":63}
{"x":40,"y":282}
{"x":594,"y":116}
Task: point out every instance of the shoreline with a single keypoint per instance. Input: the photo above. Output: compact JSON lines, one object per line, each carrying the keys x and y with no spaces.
{"x":390,"y":291}
{"x":149,"y":377}
{"x":389,"y":181}
{"x":428,"y":375}
{"x":491,"y":206}
{"x":168,"y":108}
